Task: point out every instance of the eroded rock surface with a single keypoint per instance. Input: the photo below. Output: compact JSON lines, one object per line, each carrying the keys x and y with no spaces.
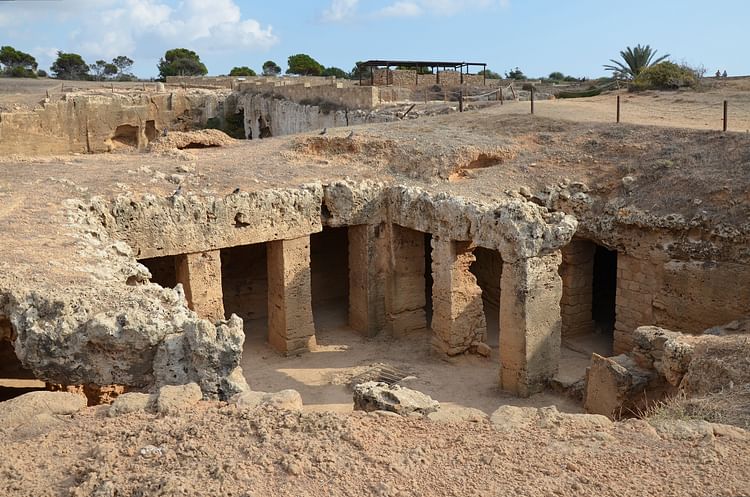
{"x":377,"y":396}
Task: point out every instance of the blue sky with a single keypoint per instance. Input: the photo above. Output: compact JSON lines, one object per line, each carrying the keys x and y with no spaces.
{"x":539,"y":36}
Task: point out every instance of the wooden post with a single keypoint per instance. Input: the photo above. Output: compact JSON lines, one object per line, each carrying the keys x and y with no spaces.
{"x":372,"y":76}
{"x":618,"y":108}
{"x":532,"y":99}
{"x":484,"y":72}
{"x":461,"y":100}
{"x":726,"y":105}
{"x":502,"y":97}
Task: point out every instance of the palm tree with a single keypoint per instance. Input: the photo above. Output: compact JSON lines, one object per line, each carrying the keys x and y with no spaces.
{"x":636,"y":60}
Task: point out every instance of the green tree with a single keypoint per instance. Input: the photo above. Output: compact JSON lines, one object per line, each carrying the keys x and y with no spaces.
{"x":242,"y":71}
{"x":181,"y":62}
{"x":123,"y":64}
{"x":17,"y":63}
{"x":556,"y":76}
{"x":358,"y":71}
{"x":490,"y":74}
{"x":335,"y":71}
{"x":100,"y":68}
{"x":69,"y":66}
{"x":635,"y":60}
{"x":515,"y":74}
{"x":304,"y":65}
{"x":271,"y":68}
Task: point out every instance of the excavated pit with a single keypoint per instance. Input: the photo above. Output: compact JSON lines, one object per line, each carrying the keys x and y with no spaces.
{"x":340,"y":251}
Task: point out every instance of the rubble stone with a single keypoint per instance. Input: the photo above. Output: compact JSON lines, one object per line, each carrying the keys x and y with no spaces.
{"x":377,"y":396}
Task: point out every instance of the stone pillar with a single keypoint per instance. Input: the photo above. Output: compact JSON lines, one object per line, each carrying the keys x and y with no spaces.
{"x":200,"y":275}
{"x":405,"y":295}
{"x":367,"y":278}
{"x":290,"y":319}
{"x":577,"y":273}
{"x":458,"y":314}
{"x":530,"y":323}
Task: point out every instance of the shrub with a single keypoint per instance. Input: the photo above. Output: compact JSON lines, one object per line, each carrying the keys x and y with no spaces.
{"x":21,"y":72}
{"x":665,"y":76}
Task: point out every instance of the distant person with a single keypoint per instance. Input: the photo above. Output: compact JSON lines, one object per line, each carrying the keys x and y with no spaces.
{"x":718,"y":73}
{"x":724,"y":74}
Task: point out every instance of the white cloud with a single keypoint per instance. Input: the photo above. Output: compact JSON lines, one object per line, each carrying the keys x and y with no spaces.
{"x":340,"y":10}
{"x":401,"y":9}
{"x":148,"y":27}
{"x":343,"y":10}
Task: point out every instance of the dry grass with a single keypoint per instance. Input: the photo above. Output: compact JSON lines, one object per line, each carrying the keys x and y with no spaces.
{"x":730,"y":406}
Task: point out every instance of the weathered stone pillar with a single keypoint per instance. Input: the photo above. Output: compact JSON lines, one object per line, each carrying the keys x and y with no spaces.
{"x":530,"y":323}
{"x":290,"y":319}
{"x":577,"y":273}
{"x":405,"y":296}
{"x":200,"y":275}
{"x":367,"y":278}
{"x":458,"y":315}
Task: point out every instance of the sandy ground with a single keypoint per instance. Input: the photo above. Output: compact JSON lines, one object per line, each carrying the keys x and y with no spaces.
{"x":682,"y":109}
{"x":215,"y":449}
{"x":322,"y":377}
{"x":27,"y":93}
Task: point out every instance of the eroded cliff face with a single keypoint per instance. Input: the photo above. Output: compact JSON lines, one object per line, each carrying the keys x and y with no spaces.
{"x":117,"y":328}
{"x":92,"y":122}
{"x":266,"y":116}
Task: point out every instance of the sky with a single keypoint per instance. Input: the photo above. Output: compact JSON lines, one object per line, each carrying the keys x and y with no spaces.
{"x":539,"y":36}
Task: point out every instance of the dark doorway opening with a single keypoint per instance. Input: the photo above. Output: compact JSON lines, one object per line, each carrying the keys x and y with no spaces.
{"x":428,"y":279}
{"x":488,"y":270}
{"x":264,"y":127}
{"x":151,"y":132}
{"x":125,"y":136}
{"x":244,"y":284}
{"x":163,"y":270}
{"x":604,"y":291}
{"x":329,"y":269}
{"x":15,"y":380}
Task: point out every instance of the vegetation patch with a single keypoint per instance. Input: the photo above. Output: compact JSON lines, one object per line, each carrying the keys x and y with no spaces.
{"x":665,"y":76}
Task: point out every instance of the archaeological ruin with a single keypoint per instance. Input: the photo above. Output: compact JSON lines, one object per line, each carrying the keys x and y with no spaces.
{"x":152,"y":236}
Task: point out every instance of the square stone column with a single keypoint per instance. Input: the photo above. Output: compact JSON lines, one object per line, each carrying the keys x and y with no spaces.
{"x":457,"y":312}
{"x":405,"y":295}
{"x":200,"y":275}
{"x":530,"y":323}
{"x":290,"y":319}
{"x":367,"y":278}
{"x":577,"y":273}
